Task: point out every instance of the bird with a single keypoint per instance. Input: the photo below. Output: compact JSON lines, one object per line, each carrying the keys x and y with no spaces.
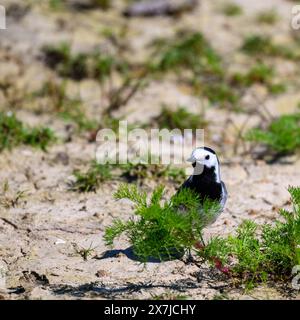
{"x":206,"y":181}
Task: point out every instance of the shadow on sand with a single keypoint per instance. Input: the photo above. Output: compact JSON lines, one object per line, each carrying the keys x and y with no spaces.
{"x":128,"y":252}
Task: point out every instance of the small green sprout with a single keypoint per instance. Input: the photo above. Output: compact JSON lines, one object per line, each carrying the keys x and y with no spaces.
{"x":84,"y":252}
{"x":9,"y":198}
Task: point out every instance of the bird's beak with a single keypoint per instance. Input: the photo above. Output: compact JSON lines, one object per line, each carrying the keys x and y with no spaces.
{"x":191,"y":159}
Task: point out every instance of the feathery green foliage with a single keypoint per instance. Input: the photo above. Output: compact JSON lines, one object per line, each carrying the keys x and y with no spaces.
{"x":282,"y":135}
{"x":14,"y":133}
{"x":162,"y":230}
{"x":259,"y":253}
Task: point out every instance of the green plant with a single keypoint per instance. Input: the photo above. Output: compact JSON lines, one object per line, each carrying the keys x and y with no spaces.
{"x":264,"y":46}
{"x":179,"y":119}
{"x":92,"y":178}
{"x":75,"y":114}
{"x":277,"y":88}
{"x":162,"y":230}
{"x":91,"y":4}
{"x":220,"y":93}
{"x":56,"y":4}
{"x":56,"y":93}
{"x":13,"y":133}
{"x":187,"y":51}
{"x":103,"y":4}
{"x":141,"y":171}
{"x":282,"y":135}
{"x":259,"y":73}
{"x":268,"y":17}
{"x":104,"y":65}
{"x":64,"y":62}
{"x":192,"y":58}
{"x":69,"y":109}
{"x":9,"y":198}
{"x":84,"y":252}
{"x":232,"y":9}
{"x":269,"y":254}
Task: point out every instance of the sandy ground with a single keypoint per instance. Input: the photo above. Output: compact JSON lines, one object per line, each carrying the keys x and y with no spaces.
{"x":39,"y":235}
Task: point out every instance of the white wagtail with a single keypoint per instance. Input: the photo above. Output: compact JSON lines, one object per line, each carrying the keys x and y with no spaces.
{"x":206,"y":180}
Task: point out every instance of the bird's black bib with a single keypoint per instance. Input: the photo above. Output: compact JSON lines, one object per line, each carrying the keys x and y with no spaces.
{"x":205,"y":184}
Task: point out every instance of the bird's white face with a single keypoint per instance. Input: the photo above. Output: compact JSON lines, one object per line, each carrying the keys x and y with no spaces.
{"x":203,"y":158}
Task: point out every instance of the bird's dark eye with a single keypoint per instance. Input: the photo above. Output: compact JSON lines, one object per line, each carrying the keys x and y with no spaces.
{"x":207,"y":157}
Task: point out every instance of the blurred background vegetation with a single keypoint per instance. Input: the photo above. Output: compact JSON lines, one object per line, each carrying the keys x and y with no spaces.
{"x":71,"y":67}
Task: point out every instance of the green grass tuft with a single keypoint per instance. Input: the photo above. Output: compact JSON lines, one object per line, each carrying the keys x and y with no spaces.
{"x":259,"y":73}
{"x":14,"y":133}
{"x":268,"y":17}
{"x":220,"y":93}
{"x":263,"y":46}
{"x":91,"y":179}
{"x":81,"y":65}
{"x":232,"y":9}
{"x":64,"y":62}
{"x":282,"y":135}
{"x":180,"y":119}
{"x":188,"y":51}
